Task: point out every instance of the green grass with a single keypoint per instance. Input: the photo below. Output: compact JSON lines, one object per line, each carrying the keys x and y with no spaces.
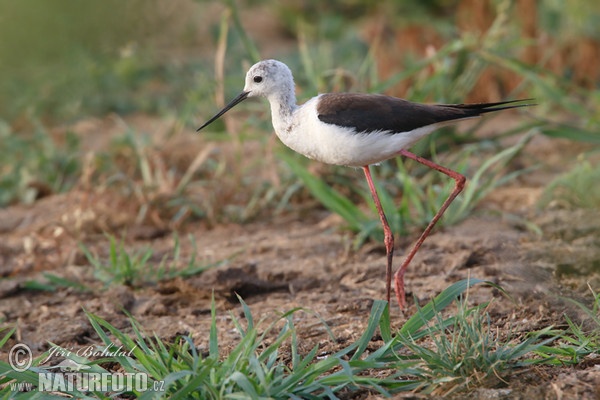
{"x":34,"y":165}
{"x":137,"y":267}
{"x":468,"y":352}
{"x":51,"y":283}
{"x":436,"y":351}
{"x":576,"y":188}
{"x":131,"y":267}
{"x":583,"y":340}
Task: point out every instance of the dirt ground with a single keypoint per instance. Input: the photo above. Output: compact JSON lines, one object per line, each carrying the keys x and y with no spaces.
{"x":291,"y":261}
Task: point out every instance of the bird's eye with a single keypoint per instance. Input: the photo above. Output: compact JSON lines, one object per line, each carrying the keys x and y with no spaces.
{"x":258,"y":79}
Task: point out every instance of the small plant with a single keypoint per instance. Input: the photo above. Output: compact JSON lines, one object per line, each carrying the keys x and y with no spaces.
{"x":52,"y":282}
{"x":580,"y":340}
{"x":577,"y":188}
{"x":135,"y":268}
{"x":464,"y":352}
{"x":34,"y":165}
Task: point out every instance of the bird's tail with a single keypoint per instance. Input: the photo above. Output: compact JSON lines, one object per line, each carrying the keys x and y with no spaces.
{"x":482,"y":108}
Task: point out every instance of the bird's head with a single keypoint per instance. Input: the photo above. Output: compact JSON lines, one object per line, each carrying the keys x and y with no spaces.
{"x":266,"y":78}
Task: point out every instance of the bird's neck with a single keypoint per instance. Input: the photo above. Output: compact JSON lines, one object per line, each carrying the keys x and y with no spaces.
{"x":283,"y":105}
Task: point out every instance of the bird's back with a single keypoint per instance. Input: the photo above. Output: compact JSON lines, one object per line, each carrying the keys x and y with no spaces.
{"x":375,"y":112}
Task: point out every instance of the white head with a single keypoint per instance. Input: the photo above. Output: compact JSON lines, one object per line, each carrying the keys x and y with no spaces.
{"x":268,"y":78}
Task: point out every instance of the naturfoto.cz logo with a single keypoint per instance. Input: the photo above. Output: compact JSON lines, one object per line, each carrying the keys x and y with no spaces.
{"x":71,"y":375}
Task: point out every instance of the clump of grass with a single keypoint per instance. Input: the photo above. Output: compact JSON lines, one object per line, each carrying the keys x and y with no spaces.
{"x":466,"y":352}
{"x":217,"y":184}
{"x":580,"y":341}
{"x":52,"y":283}
{"x":34,"y":165}
{"x":136,"y":268}
{"x":577,"y":188}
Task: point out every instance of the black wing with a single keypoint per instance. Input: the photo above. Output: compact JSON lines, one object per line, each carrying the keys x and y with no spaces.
{"x":371,"y":112}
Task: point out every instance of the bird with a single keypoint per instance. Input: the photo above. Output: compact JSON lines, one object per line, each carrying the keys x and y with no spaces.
{"x":358,"y":130}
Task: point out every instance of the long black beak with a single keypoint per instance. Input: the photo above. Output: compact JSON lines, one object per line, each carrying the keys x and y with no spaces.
{"x":241,"y":97}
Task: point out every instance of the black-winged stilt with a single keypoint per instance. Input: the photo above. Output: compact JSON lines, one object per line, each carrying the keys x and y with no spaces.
{"x":357,"y":130}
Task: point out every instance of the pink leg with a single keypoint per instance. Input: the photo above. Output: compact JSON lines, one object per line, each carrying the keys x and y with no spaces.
{"x":387,"y":232}
{"x":458,"y":187}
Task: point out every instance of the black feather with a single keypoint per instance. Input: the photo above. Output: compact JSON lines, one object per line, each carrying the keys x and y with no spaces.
{"x":374,"y":112}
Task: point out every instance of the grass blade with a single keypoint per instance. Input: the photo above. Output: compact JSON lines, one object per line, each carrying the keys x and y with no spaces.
{"x":329,"y":197}
{"x":441,"y":301}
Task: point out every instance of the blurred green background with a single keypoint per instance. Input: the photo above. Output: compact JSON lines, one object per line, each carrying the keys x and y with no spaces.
{"x":67,"y":59}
